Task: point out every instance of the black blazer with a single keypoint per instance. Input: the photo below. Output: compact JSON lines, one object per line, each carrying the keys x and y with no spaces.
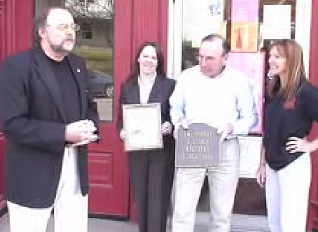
{"x":160,"y":93}
{"x":33,"y":121}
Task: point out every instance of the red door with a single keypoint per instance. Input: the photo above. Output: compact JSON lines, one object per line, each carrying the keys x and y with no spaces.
{"x":135,"y":22}
{"x":100,"y":47}
{"x":109,"y":193}
{"x":15,"y":25}
{"x":2,"y":6}
{"x":313,"y":77}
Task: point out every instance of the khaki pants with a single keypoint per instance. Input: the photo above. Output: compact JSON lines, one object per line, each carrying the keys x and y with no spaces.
{"x":287,"y":195}
{"x":70,"y":207}
{"x":222,"y":183}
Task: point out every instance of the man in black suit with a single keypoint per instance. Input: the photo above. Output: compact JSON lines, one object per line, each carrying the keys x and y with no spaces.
{"x":48,"y":118}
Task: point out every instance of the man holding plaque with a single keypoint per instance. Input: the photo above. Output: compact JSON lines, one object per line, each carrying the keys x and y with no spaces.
{"x":216,"y":95}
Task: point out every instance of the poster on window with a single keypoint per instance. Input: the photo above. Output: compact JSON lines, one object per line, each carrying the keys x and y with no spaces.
{"x":244,"y":37}
{"x":245,"y":26}
{"x":277,"y":22}
{"x":245,"y":11}
{"x":252,"y":65}
{"x":204,"y":17}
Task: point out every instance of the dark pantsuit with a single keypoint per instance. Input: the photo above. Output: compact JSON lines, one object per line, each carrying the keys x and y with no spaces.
{"x":151,"y":171}
{"x":151,"y":175}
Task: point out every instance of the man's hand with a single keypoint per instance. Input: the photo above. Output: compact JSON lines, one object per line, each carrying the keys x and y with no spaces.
{"x":92,"y":138}
{"x":80,"y":132}
{"x":181,"y":124}
{"x":225,"y":131}
{"x":123,"y":134}
{"x":166,"y":128}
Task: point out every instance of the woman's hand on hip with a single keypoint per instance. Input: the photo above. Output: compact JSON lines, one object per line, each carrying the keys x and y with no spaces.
{"x":295,"y":144}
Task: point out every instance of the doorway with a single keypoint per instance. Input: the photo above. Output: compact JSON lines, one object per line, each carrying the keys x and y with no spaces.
{"x":109,"y":189}
{"x":246,"y":24}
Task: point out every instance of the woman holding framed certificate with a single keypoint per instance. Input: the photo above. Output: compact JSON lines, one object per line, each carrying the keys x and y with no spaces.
{"x":145,"y":126}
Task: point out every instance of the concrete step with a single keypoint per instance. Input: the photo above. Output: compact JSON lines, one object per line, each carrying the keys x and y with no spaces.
{"x":240,"y":223}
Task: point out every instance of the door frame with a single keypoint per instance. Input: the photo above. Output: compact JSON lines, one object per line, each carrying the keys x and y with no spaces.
{"x":15,"y":29}
{"x":302,"y":36}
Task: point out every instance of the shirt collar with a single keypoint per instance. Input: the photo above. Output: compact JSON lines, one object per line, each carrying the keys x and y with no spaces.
{"x":147,"y":80}
{"x":218,"y":76}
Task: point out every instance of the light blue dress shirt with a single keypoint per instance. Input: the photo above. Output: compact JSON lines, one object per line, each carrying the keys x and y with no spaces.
{"x":226,"y":98}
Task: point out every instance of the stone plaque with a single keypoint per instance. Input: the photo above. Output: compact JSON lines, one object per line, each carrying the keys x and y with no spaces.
{"x":197,"y":146}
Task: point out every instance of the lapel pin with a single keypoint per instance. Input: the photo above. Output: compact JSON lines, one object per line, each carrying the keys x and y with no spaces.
{"x":78,"y":70}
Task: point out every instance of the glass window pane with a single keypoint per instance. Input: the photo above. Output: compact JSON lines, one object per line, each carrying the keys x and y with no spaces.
{"x":94,"y":43}
{"x":200,"y":15}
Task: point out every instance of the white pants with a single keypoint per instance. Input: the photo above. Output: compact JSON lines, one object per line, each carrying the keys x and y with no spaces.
{"x":70,"y":207}
{"x":222,"y":183}
{"x":287,"y":194}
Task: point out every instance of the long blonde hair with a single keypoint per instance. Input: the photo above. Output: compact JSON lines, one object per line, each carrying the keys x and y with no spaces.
{"x":292,"y":51}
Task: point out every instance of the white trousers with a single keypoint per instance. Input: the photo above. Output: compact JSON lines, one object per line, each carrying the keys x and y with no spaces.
{"x":70,"y":207}
{"x":222,"y":183}
{"x":287,"y":195}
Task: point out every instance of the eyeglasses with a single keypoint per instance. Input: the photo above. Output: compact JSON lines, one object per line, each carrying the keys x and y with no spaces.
{"x":66,"y":27}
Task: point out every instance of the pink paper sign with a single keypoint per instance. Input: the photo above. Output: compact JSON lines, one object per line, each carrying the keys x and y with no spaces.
{"x":252,"y":65}
{"x":245,"y":11}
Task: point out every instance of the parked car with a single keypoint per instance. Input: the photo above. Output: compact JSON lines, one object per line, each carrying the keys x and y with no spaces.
{"x":101,"y":84}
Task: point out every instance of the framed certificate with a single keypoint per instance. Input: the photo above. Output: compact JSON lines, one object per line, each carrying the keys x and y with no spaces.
{"x":142,"y":123}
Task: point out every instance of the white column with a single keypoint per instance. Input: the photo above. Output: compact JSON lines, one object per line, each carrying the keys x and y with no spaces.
{"x":178,"y":30}
{"x":303,"y":27}
{"x":170,"y":43}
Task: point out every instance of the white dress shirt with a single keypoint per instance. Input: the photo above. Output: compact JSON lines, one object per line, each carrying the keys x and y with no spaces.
{"x":226,"y":98}
{"x":145,"y":86}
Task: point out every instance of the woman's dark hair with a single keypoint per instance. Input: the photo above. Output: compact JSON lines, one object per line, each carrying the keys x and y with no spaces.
{"x":293,"y":54}
{"x":160,"y":67}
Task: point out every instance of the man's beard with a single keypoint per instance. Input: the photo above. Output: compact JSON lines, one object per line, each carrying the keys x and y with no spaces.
{"x":60,"y":49}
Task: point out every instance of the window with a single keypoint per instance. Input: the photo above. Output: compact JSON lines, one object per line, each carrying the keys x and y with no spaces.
{"x":87,"y":32}
{"x":87,"y":1}
{"x":94,"y":44}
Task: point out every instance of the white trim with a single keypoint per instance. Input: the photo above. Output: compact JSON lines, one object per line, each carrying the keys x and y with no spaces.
{"x":175,"y":29}
{"x":170,"y":40}
{"x":303,"y":28}
{"x":178,"y":32}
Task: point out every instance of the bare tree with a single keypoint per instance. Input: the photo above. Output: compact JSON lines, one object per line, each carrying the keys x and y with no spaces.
{"x":91,"y":9}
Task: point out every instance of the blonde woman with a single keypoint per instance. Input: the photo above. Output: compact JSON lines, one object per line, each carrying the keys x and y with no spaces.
{"x":285,"y":167}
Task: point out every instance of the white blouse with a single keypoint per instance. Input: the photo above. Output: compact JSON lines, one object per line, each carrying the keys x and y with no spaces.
{"x":145,"y":85}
